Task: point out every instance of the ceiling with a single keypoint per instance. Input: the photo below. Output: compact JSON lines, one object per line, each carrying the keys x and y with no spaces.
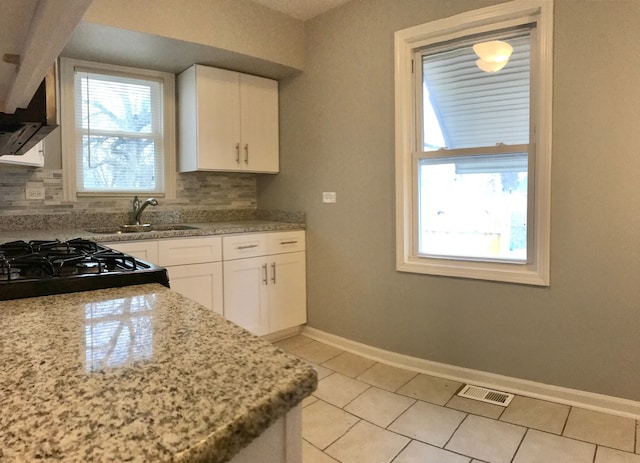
{"x":301,"y":9}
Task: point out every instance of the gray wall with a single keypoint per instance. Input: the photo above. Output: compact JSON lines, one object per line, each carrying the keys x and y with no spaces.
{"x":337,"y":134}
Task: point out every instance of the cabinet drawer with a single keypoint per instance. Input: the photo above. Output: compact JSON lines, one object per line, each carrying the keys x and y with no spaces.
{"x":244,"y":245}
{"x":190,"y":250}
{"x":290,"y":241}
{"x":141,"y":249}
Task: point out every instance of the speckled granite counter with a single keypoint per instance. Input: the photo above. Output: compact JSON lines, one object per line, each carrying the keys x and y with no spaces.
{"x":108,"y":233}
{"x":136,"y":374}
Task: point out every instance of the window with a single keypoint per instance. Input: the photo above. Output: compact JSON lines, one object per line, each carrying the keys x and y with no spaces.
{"x":118,"y":130}
{"x":473,"y":145}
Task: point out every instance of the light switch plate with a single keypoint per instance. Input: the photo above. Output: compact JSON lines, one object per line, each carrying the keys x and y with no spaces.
{"x":329,"y":197}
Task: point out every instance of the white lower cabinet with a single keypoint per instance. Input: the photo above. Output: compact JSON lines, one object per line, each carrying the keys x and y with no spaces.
{"x":264,"y":275}
{"x":141,"y":249}
{"x":194,"y":265}
{"x":246,"y":293}
{"x":265,"y":293}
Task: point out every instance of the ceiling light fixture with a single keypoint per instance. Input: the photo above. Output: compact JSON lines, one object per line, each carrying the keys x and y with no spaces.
{"x":494,"y":55}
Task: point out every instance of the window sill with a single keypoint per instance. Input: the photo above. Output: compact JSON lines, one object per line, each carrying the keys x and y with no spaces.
{"x":526,"y":274}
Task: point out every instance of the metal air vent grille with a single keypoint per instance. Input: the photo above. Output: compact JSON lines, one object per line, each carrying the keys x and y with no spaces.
{"x":486,"y":395}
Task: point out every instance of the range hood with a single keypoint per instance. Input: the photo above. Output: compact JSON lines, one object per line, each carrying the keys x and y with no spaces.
{"x":22,"y":130}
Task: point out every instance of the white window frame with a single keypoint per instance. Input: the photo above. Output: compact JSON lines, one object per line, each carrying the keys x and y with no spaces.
{"x":68,"y":121}
{"x":536,"y":270}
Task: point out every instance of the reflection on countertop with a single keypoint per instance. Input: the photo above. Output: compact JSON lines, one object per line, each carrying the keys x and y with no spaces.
{"x":136,"y":374}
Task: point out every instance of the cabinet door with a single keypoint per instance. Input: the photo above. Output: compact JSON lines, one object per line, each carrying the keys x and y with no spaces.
{"x":199,"y":282}
{"x":34,"y":157}
{"x":287,"y":291}
{"x":142,"y":249}
{"x":218,"y":114}
{"x":245,"y":294}
{"x":259,"y":124}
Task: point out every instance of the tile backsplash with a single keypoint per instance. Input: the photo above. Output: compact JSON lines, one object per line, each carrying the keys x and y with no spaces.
{"x":194,"y":190}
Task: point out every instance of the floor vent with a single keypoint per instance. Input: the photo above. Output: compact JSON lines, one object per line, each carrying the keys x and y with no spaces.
{"x":486,"y":395}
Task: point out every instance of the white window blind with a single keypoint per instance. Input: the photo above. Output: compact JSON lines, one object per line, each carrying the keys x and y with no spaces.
{"x":473,"y":108}
{"x":119,"y":133}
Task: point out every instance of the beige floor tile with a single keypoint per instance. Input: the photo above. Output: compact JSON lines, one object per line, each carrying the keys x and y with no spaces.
{"x":430,"y":389}
{"x":323,"y":423}
{"x":428,"y":423}
{"x":386,"y":377}
{"x":475,"y":406}
{"x":607,"y":455}
{"x":486,"y":439}
{"x":339,"y":389}
{"x":315,"y":352}
{"x":378,"y":406}
{"x":542,"y":447}
{"x":368,"y":443}
{"x":601,"y":428}
{"x":536,"y":414}
{"x":308,"y":401}
{"x":322,"y":371}
{"x":310,"y":454}
{"x":349,"y":364}
{"x":293,"y":342}
{"x":417,"y":452}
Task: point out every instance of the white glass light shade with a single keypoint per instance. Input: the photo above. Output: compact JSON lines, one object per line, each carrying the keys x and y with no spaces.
{"x":494,"y":51}
{"x":488,"y":66}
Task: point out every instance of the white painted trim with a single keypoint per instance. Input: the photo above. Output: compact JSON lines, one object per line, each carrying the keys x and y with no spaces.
{"x":67,"y":122}
{"x":573,"y":397}
{"x":406,"y":42}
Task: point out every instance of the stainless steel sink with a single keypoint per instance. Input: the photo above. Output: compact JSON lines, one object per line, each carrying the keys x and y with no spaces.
{"x":171,"y":227}
{"x":139,"y":228}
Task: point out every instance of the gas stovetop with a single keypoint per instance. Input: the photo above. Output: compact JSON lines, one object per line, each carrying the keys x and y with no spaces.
{"x":40,"y":268}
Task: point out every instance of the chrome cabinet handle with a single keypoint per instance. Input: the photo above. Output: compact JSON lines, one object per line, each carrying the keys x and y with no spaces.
{"x":237,"y":153}
{"x":264,"y":278}
{"x":273,"y":272}
{"x":289,"y":242}
{"x":248,"y":246}
{"x":246,"y":153}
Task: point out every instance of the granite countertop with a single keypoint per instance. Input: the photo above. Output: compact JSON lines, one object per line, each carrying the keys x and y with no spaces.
{"x":110,"y":233}
{"x":138,"y":373}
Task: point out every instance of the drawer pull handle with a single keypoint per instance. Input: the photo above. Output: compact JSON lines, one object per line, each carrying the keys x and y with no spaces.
{"x":264,"y":278}
{"x":273,"y":269}
{"x":237,"y":153}
{"x":289,"y":242}
{"x":249,"y":246}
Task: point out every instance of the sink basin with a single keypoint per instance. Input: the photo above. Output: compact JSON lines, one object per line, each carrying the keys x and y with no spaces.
{"x":139,"y":228}
{"x":171,"y":227}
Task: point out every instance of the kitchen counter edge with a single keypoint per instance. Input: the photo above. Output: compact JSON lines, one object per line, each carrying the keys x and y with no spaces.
{"x":198,"y":229}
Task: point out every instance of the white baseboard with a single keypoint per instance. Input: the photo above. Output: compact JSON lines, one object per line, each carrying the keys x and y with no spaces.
{"x":589,"y":400}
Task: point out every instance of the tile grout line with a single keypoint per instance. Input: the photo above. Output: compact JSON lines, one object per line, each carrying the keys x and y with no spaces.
{"x":526,"y":431}
{"x":454,"y":432}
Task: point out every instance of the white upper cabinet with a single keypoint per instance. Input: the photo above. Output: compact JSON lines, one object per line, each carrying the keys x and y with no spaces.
{"x":34,"y":157}
{"x":228,"y":121}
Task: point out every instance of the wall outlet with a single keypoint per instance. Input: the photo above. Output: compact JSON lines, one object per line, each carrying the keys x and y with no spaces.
{"x":329,"y":197}
{"x":35,"y":193}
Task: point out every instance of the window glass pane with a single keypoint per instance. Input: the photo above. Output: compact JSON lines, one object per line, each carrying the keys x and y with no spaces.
{"x":118,"y":164}
{"x":473,"y":206}
{"x":464,"y":106}
{"x":118,"y":133}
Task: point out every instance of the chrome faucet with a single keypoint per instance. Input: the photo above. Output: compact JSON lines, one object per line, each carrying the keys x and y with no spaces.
{"x":139,"y":208}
